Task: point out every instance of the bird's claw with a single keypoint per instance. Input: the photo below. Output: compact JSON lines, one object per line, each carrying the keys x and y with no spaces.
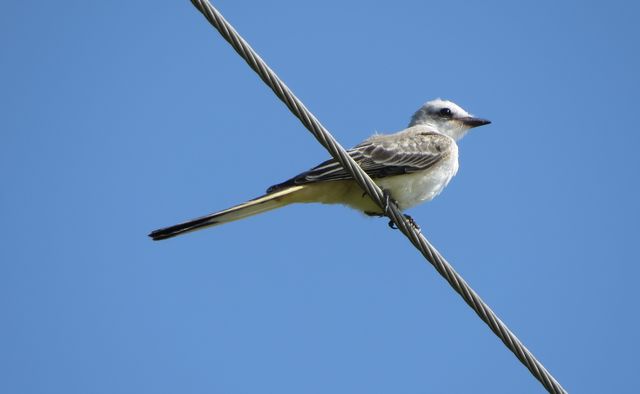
{"x":387,"y":203}
{"x":412,"y":223}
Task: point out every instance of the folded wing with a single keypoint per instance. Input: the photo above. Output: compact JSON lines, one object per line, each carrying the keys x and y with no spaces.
{"x":382,"y":156}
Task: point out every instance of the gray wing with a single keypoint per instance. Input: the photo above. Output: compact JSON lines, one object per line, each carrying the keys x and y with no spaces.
{"x":381,"y":157}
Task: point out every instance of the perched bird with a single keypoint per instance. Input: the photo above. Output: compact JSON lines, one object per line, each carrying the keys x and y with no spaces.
{"x":411,"y":166}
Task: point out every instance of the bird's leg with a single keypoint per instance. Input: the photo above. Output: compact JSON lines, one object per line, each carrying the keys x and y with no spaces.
{"x":387,"y":200}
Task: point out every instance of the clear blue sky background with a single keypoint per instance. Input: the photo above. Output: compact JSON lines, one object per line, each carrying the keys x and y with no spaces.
{"x":121,"y":117}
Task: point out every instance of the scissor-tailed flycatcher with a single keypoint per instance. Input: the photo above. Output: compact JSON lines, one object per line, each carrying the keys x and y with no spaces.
{"x":412,"y":166}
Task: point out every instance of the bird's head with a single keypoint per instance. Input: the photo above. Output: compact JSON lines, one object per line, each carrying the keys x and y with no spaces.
{"x":447,"y":118}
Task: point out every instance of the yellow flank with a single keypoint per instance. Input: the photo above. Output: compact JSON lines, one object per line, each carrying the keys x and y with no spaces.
{"x":346,"y":192}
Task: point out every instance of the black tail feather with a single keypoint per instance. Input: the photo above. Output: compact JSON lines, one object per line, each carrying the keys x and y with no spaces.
{"x":258,"y":205}
{"x":172,"y":231}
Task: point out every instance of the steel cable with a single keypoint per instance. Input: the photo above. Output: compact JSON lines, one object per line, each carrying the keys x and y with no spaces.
{"x":417,"y":239}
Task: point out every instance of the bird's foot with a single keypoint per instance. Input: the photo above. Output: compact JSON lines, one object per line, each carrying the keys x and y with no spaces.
{"x":412,"y":223}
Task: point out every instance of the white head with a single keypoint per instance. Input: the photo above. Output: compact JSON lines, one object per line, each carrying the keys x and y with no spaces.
{"x":447,"y":118}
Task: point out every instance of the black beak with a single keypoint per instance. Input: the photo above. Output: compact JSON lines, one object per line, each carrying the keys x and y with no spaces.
{"x":474,"y":122}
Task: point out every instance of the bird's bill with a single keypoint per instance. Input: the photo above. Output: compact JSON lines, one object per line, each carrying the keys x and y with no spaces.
{"x":474,"y":122}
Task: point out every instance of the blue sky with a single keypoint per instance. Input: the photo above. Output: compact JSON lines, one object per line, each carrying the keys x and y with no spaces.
{"x":119,"y":118}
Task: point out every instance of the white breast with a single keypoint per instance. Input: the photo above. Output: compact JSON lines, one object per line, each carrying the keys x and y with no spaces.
{"x":412,"y":189}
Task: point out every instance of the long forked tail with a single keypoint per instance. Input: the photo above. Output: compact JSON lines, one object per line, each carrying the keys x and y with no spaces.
{"x":253,"y":207}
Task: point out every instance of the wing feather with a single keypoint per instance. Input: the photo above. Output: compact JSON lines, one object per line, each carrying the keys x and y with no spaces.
{"x":382,"y":156}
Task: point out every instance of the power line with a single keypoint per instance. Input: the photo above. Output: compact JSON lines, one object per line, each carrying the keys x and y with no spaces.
{"x":417,"y":239}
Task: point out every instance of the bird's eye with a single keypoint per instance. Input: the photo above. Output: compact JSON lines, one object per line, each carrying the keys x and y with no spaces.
{"x":446,"y":112}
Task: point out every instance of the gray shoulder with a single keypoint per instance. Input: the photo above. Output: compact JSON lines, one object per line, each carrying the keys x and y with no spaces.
{"x":416,"y":139}
{"x":437,"y":144}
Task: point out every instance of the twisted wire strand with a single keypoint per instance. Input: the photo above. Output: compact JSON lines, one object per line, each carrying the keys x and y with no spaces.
{"x":393,"y":212}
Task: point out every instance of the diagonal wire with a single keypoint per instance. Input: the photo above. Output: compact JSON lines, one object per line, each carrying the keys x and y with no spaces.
{"x":418,"y":240}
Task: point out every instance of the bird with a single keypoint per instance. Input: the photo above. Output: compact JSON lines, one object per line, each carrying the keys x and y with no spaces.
{"x":410,"y":166}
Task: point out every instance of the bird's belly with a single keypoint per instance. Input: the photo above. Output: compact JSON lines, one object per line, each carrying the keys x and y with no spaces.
{"x":412,"y":189}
